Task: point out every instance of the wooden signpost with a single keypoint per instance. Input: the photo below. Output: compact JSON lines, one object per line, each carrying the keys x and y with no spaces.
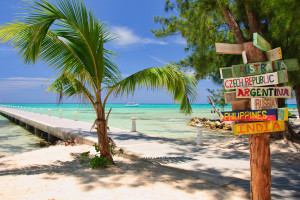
{"x":225,"y":48}
{"x":256,"y":115}
{"x":274,"y":54}
{"x":258,"y":80}
{"x":261,"y":43}
{"x":263,"y":102}
{"x":275,"y":92}
{"x":258,"y":127}
{"x":259,"y":68}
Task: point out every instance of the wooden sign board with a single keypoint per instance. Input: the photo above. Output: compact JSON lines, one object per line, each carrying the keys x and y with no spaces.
{"x":275,"y":92}
{"x":231,"y":97}
{"x":226,"y":48}
{"x":259,"y":68}
{"x":258,"y":127}
{"x":263,"y":103}
{"x":250,"y":115}
{"x":226,"y":72}
{"x":258,"y":80}
{"x":240,"y":105}
{"x":264,"y":67}
{"x":256,"y":115}
{"x":261,"y":43}
{"x":244,"y":55}
{"x":274,"y":54}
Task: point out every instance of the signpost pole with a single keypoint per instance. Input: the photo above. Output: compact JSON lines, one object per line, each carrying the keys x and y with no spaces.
{"x":259,"y":145}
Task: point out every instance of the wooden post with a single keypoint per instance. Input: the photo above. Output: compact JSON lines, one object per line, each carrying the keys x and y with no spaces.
{"x":259,"y":145}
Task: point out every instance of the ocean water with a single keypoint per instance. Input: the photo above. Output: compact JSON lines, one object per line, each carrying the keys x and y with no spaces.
{"x":163,"y":120}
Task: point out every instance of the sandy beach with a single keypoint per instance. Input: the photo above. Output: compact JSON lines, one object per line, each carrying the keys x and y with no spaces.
{"x":55,"y":173}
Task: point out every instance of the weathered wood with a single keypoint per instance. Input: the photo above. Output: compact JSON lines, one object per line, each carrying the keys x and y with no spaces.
{"x":244,"y":55}
{"x":258,"y":80}
{"x":264,"y":67}
{"x":226,"y":72}
{"x":260,"y":185}
{"x":240,"y":105}
{"x":263,"y":103}
{"x":213,"y":105}
{"x":274,"y":54}
{"x":251,"y":115}
{"x":283,"y":114}
{"x":258,"y":127}
{"x":275,"y":92}
{"x":231,"y":96}
{"x":254,"y":54}
{"x":225,"y":48}
{"x":259,"y":68}
{"x":256,"y":115}
{"x":261,"y":43}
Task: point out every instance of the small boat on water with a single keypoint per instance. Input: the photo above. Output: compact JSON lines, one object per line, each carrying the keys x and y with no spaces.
{"x":131,"y":104}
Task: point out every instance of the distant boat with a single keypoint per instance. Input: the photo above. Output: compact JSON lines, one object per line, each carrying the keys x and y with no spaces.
{"x":131,"y":104}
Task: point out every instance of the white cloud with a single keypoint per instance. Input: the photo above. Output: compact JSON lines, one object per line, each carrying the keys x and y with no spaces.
{"x":17,"y":83}
{"x":126,"y":37}
{"x":158,"y":60}
{"x":179,"y":40}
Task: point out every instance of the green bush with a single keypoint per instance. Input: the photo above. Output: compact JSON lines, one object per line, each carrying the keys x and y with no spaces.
{"x":98,"y":161}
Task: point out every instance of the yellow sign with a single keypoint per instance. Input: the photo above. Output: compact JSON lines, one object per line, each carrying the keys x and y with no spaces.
{"x":258,"y":127}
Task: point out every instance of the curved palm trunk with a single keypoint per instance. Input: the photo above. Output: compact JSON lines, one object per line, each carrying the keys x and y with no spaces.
{"x":103,"y":142}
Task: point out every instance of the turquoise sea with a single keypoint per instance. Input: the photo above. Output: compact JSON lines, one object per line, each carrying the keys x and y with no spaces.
{"x":163,"y":120}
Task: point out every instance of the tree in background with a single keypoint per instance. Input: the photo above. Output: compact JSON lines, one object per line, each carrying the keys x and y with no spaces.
{"x":204,"y":22}
{"x":75,"y":48}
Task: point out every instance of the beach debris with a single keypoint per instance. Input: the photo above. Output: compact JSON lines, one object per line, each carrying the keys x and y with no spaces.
{"x":70,"y":142}
{"x":210,"y":123}
{"x":44,"y":143}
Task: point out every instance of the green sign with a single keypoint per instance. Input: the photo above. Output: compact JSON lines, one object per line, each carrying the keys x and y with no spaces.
{"x":261,"y":43}
{"x":259,"y":68}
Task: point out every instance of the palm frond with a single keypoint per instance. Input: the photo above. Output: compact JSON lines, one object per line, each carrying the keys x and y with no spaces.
{"x":180,"y":85}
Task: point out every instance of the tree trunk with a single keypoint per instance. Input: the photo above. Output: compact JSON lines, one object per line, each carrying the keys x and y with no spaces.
{"x":259,"y":145}
{"x":233,"y":25}
{"x":297,"y":94}
{"x":103,"y":142}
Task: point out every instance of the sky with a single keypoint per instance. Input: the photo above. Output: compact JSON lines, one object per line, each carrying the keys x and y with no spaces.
{"x":137,"y":49}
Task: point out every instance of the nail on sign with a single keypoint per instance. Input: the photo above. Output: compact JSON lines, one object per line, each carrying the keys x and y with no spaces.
{"x":275,"y":92}
{"x":258,"y":127}
{"x":258,"y":80}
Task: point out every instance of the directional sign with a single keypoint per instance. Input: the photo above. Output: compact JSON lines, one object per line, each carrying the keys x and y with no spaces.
{"x":259,"y":68}
{"x":258,"y":80}
{"x":261,"y":43}
{"x":258,"y":127}
{"x":256,"y":115}
{"x":226,"y":72}
{"x":250,"y":115}
{"x":275,"y":92}
{"x":274,"y":54}
{"x":226,"y":48}
{"x":263,"y":103}
{"x":264,"y":67}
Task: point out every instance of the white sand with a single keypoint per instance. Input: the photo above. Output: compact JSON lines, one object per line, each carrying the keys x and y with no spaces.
{"x":54,"y":173}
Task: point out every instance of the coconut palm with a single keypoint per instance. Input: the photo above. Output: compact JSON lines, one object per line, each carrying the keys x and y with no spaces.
{"x":71,"y":40}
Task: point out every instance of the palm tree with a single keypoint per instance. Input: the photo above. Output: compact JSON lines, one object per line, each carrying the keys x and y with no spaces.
{"x":74,"y":47}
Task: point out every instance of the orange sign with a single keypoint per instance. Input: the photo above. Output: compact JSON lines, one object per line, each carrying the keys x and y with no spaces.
{"x":258,"y":127}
